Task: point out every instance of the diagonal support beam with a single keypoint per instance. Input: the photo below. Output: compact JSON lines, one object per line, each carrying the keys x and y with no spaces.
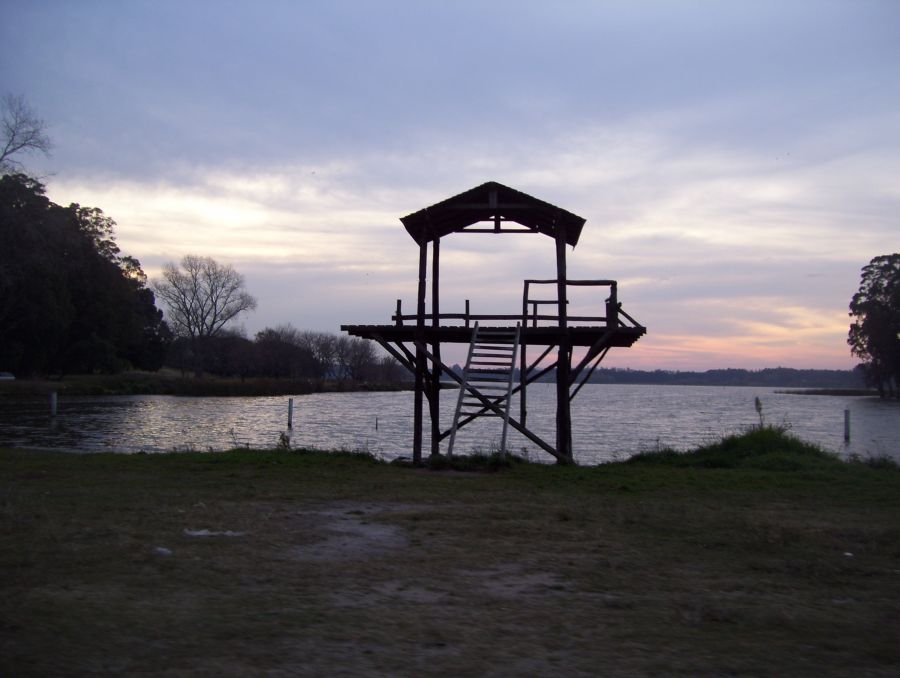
{"x":405,"y":358}
{"x":403,"y":355}
{"x":596,"y":348}
{"x":537,"y":375}
{"x":491,"y":405}
{"x":589,"y":373}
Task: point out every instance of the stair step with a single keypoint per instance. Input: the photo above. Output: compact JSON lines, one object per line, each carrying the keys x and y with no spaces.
{"x":490,"y":367}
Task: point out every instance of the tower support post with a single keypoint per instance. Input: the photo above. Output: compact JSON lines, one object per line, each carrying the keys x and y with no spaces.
{"x":421,"y":365}
{"x":564,"y":356}
{"x":434,"y":399}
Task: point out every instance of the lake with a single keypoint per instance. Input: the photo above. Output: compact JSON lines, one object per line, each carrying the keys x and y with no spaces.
{"x":609,"y":422}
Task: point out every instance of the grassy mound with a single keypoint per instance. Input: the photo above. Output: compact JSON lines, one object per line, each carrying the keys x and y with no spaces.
{"x":766,"y":448}
{"x":479,"y":461}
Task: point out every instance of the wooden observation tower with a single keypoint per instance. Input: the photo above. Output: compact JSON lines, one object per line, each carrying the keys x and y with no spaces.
{"x":543,"y":323}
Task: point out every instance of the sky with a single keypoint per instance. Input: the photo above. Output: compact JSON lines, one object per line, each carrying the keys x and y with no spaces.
{"x":736,"y":162}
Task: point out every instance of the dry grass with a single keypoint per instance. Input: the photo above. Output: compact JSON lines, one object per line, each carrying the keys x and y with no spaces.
{"x":341,"y":566}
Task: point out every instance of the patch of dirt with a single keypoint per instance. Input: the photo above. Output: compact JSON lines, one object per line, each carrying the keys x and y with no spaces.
{"x":510,"y":581}
{"x":347,"y":533}
{"x":389,"y":591}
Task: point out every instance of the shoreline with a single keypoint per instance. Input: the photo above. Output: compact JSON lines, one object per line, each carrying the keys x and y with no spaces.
{"x":167,"y":383}
{"x":854,"y":392}
{"x":147,"y":383}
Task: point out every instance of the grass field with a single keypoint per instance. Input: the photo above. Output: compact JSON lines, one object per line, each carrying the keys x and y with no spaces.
{"x":756,"y":556}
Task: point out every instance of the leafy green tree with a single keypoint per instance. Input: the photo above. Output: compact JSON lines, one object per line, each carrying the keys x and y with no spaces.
{"x":875,"y":331}
{"x":69,"y":302}
{"x":35,"y":304}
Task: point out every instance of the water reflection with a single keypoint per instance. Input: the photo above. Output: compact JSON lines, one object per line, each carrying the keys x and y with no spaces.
{"x":609,"y":421}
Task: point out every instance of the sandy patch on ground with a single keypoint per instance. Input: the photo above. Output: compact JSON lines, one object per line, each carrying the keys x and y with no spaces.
{"x":348,"y":532}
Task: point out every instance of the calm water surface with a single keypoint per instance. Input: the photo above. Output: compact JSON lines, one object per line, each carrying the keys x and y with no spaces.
{"x":608,"y":421}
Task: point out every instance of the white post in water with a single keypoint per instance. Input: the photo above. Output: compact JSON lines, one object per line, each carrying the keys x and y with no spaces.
{"x":290,"y":413}
{"x":53,"y":404}
{"x":846,"y":426}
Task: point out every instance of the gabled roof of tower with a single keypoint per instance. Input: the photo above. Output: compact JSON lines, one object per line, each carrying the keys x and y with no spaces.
{"x":498,"y":206}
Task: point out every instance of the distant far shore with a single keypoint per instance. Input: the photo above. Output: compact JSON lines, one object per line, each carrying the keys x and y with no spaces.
{"x":770,"y":377}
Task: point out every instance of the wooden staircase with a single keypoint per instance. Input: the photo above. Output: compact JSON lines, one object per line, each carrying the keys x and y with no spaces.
{"x":486,"y":389}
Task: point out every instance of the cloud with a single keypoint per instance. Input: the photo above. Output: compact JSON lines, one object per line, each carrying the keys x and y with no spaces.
{"x":696,"y":239}
{"x":736,"y":163}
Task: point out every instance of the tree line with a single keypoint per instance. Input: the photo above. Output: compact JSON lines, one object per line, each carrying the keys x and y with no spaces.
{"x":767,"y":377}
{"x":284,"y":352}
{"x":202,"y":297}
{"x":72,"y":303}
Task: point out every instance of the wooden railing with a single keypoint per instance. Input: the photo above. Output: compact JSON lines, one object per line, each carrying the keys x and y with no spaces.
{"x":614,"y":316}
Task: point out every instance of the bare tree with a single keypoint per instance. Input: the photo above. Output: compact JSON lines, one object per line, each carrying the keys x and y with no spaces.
{"x":389,"y":370}
{"x":23,"y":132}
{"x":281,"y":353}
{"x":323,"y":347}
{"x":355,"y":358}
{"x":201,"y":297}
